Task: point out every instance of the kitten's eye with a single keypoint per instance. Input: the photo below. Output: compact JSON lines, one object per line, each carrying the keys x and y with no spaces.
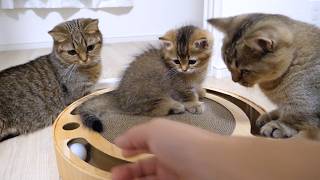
{"x":72,"y":52}
{"x":192,"y":61}
{"x":90,"y":48}
{"x":176,"y":61}
{"x":245,"y":72}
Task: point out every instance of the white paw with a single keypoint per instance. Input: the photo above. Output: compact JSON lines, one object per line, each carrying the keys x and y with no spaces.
{"x":177,"y":109}
{"x":195,"y":107}
{"x":277,"y":129}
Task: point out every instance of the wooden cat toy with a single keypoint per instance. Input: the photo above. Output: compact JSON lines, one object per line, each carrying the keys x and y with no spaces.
{"x":102,"y":155}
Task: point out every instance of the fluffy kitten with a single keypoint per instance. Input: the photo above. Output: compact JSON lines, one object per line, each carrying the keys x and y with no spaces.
{"x":162,"y":80}
{"x":33,"y":94}
{"x":282,"y":56}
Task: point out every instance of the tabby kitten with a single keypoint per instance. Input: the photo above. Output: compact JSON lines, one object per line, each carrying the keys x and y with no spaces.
{"x":282,"y":56}
{"x":33,"y":94}
{"x":162,"y":80}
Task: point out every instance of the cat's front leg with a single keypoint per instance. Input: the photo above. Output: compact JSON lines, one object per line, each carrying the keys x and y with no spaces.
{"x":201,"y":92}
{"x":278,"y":129}
{"x":196,"y":107}
{"x":267,"y":117}
{"x":192,"y":103}
{"x":278,"y":124}
{"x":167,"y":106}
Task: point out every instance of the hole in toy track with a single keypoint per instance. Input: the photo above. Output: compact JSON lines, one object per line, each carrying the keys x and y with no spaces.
{"x":94,"y":156}
{"x":71,"y":126}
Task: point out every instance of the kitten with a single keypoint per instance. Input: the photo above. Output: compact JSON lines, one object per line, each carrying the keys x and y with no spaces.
{"x":33,"y":94}
{"x":282,"y":56}
{"x":162,"y":80}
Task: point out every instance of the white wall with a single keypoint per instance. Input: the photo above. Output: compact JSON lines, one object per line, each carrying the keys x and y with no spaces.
{"x":298,"y":9}
{"x":305,"y":10}
{"x":147,"y":19}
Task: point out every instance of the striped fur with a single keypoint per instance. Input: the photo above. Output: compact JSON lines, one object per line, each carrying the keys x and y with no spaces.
{"x":33,"y":94}
{"x":161,"y":81}
{"x":282,"y":56}
{"x":183,"y":38}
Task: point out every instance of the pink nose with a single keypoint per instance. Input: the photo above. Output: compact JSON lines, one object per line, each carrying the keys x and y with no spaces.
{"x":83,"y":57}
{"x":184,"y":68}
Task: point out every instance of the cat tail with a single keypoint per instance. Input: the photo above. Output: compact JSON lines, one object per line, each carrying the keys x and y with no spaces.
{"x":92,"y":122}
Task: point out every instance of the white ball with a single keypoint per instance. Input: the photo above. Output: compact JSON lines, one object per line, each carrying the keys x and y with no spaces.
{"x":79,"y":150}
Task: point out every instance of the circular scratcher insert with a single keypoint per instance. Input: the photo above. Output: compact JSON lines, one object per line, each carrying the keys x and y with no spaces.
{"x":216,"y":118}
{"x":225,"y":113}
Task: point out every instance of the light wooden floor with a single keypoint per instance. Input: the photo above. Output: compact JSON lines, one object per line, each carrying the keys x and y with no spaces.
{"x":32,"y":157}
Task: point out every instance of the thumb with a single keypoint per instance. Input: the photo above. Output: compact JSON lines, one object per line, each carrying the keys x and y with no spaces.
{"x":134,"y":141}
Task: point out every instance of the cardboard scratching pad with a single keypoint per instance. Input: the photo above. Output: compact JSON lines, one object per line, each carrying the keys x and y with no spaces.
{"x":225,"y":113}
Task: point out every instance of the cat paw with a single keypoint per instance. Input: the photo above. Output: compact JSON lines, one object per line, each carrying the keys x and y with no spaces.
{"x":195,"y":107}
{"x":267,"y":117}
{"x":177,"y":109}
{"x":262,"y":120}
{"x":277,"y":129}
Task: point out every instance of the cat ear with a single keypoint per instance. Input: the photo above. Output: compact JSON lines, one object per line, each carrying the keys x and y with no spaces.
{"x":269,"y":38}
{"x":91,"y":26}
{"x":166,"y":43}
{"x":222,"y":24}
{"x":228,"y":25}
{"x":201,"y":44}
{"x":261,"y":44}
{"x":58,"y":34}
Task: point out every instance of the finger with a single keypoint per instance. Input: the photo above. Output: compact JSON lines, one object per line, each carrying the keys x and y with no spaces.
{"x":121,"y":172}
{"x":130,"y":153}
{"x":164,"y":173}
{"x":137,"y":138}
{"x":140,"y":169}
{"x":134,"y":141}
{"x":149,"y":178}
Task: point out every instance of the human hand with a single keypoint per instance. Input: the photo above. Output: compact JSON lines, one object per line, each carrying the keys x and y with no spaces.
{"x":175,"y":146}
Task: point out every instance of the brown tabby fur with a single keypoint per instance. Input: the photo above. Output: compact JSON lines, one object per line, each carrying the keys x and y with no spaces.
{"x":162,"y":80}
{"x":33,"y":94}
{"x":282,"y":56}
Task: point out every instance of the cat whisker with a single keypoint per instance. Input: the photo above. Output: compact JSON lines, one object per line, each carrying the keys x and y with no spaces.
{"x":71,"y":72}
{"x":67,"y":70}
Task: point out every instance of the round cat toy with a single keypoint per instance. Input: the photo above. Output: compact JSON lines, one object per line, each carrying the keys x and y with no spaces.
{"x":86,"y":155}
{"x":79,"y":150}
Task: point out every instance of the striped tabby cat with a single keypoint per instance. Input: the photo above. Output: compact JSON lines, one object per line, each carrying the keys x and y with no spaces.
{"x":33,"y":94}
{"x":282,"y":56}
{"x":162,"y":80}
